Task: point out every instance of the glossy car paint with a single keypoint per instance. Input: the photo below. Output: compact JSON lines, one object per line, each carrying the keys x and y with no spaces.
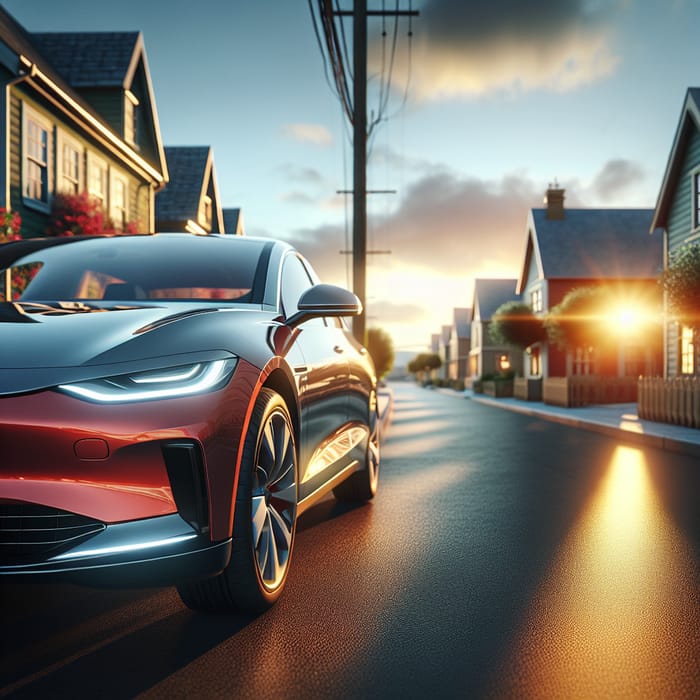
{"x":106,"y":462}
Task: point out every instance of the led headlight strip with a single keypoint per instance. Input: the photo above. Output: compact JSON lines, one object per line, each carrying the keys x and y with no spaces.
{"x":171,"y":382}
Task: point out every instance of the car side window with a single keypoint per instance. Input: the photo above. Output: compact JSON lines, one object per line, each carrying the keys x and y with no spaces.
{"x":295,"y":281}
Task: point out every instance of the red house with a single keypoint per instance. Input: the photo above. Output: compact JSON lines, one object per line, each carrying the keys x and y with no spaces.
{"x":573,"y":248}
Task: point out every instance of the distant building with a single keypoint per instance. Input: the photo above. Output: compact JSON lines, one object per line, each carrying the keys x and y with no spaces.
{"x":485,"y":356}
{"x":190,"y":202}
{"x":460,"y":344}
{"x":233,"y":221}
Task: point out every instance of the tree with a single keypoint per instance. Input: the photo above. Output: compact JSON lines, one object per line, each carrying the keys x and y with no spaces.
{"x":681,"y":282}
{"x":425,"y":362}
{"x":381,"y":348}
{"x":581,"y":319}
{"x":513,"y":323}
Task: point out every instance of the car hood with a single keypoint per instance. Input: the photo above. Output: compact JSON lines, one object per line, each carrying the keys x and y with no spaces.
{"x":42,"y":345}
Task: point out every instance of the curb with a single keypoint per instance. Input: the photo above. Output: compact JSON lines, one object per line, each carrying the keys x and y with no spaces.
{"x":664,"y":442}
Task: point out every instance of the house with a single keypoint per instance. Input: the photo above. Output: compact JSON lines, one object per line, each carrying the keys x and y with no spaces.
{"x":460,"y":335}
{"x":81,"y":117}
{"x":486,"y":357}
{"x":568,"y":249}
{"x":444,"y":348}
{"x":190,"y":202}
{"x":677,"y":213}
{"x":233,"y":221}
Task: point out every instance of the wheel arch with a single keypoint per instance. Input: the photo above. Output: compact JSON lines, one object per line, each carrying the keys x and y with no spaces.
{"x":278,"y":381}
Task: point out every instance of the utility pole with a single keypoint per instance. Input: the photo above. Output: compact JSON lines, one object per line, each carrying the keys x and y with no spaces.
{"x":359,"y":15}
{"x":359,"y":208}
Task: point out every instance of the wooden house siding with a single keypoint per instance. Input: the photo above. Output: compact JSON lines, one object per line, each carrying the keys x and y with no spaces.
{"x":107,"y":102}
{"x":680,"y":218}
{"x":34,"y":221}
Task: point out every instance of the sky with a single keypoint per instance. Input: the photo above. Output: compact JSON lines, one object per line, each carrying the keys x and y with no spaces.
{"x":489,"y":102}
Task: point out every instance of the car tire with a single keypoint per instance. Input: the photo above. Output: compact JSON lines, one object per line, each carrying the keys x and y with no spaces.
{"x":363,"y":484}
{"x":264,"y":518}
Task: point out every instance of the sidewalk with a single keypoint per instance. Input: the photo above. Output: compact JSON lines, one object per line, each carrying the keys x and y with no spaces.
{"x":617,"y":420}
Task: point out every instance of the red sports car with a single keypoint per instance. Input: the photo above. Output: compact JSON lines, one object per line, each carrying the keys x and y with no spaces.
{"x":169,"y":405}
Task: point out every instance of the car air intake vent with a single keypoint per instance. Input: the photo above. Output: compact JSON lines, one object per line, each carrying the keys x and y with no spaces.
{"x":30,"y":532}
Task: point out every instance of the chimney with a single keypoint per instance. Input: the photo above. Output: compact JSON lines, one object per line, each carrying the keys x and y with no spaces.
{"x":554,"y":199}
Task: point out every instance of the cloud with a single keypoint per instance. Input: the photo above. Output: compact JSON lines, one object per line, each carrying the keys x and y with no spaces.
{"x":298,"y":174}
{"x":615,"y":178}
{"x":308,"y":133}
{"x":470,"y":48}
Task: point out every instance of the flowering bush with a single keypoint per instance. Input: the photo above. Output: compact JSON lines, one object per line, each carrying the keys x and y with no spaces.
{"x":81,"y":215}
{"x":10,"y":225}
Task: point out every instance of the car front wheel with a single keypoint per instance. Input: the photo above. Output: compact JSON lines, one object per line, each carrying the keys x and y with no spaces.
{"x":264,"y":517}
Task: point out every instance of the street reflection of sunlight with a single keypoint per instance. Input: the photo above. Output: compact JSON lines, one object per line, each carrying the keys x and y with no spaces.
{"x":409,"y":439}
{"x":608,"y":618}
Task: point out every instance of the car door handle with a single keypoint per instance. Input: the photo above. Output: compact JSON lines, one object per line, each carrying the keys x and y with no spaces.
{"x":339,"y":349}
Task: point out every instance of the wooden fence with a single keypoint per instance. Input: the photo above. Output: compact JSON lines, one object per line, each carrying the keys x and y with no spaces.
{"x":588,"y":390}
{"x":674,"y":400}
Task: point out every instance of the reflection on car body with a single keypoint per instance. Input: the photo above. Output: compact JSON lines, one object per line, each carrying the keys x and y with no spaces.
{"x":169,"y":405}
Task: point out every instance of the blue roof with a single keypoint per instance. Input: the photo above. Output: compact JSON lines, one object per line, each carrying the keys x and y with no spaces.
{"x":489,"y":294}
{"x":598,"y":244}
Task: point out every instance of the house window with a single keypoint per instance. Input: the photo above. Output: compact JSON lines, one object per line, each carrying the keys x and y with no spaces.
{"x":206,"y":212}
{"x":504,"y":362}
{"x":119,"y":201}
{"x":687,"y":351}
{"x":536,"y":301}
{"x":131,"y":104}
{"x":97,"y":178}
{"x":70,"y":165}
{"x":535,"y":362}
{"x":36,"y":184}
{"x":584,"y":361}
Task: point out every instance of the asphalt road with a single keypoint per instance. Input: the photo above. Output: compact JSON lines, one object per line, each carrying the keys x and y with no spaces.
{"x":504,"y":556}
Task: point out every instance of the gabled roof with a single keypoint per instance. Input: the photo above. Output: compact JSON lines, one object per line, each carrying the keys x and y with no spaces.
{"x":90,"y":59}
{"x":31,"y":64}
{"x":593,"y":244}
{"x":233,"y":221}
{"x":489,"y":294}
{"x":462,"y":325}
{"x":689,"y":120}
{"x":192,"y":176}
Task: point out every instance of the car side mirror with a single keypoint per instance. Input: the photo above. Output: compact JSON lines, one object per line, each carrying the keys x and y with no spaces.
{"x":325,"y":300}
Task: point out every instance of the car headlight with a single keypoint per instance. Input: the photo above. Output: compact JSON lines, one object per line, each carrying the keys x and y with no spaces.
{"x":149,"y":385}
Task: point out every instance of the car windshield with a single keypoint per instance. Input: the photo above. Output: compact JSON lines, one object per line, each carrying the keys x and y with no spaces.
{"x":160,"y":267}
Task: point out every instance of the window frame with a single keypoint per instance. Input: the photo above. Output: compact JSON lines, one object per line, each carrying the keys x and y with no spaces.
{"x":119,"y":215}
{"x":94,"y":160}
{"x":686,"y":351}
{"x":32,"y":116}
{"x":65,"y":140}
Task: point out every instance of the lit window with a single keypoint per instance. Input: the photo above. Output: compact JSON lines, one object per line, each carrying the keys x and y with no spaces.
{"x":97,"y":178}
{"x":687,"y":351}
{"x":36,"y":186}
{"x":535,"y":362}
{"x":119,"y":201}
{"x":131,"y":118}
{"x":70,"y":167}
{"x":584,"y":361}
{"x":206,"y":212}
{"x":504,"y":362}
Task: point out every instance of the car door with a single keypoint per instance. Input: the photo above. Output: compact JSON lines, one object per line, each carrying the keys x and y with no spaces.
{"x":323,"y":382}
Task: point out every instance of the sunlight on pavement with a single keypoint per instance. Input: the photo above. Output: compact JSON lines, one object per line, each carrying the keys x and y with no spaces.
{"x":620,"y":598}
{"x":630,"y":422}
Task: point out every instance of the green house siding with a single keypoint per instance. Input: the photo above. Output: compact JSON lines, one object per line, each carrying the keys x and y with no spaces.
{"x":107,"y":102}
{"x":679,"y":228}
{"x":680,"y":218}
{"x":35,"y":221}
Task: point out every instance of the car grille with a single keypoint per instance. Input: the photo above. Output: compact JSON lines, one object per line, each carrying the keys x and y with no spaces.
{"x":30,"y":532}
